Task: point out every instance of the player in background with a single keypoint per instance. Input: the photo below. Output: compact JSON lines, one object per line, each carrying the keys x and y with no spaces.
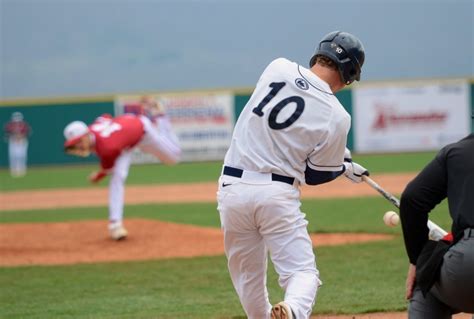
{"x":17,"y":132}
{"x":113,"y":140}
{"x":292,"y":131}
{"x":440,"y":279}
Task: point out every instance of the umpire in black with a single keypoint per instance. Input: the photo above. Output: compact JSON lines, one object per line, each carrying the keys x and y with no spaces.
{"x":440,"y":280}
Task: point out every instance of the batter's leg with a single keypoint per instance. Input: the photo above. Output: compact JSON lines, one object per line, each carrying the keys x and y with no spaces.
{"x":247,"y":263}
{"x":292,"y":254}
{"x":284,"y":229}
{"x":244,"y":246}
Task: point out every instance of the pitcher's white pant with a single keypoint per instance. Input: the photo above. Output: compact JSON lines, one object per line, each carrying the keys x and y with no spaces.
{"x":117,"y":186}
{"x":159,"y":141}
{"x":17,"y":155}
{"x":258,"y":218}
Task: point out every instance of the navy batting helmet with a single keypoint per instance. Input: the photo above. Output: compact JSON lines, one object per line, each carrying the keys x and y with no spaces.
{"x":346,"y":51}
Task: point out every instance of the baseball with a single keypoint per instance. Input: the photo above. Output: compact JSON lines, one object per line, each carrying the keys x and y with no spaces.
{"x":391,"y":219}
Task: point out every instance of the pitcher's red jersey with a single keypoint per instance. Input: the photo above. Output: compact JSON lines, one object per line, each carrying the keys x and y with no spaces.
{"x":114,"y":135}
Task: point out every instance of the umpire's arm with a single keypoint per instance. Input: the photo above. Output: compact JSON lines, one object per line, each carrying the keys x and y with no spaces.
{"x":420,"y":196}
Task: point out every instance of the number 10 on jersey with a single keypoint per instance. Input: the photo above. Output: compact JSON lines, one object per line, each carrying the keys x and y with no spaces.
{"x":272,"y":119}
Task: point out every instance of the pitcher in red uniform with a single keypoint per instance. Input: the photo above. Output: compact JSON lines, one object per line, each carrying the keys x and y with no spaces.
{"x":113,"y":140}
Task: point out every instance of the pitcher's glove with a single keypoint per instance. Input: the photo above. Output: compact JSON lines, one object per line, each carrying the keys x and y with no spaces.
{"x":95,"y":177}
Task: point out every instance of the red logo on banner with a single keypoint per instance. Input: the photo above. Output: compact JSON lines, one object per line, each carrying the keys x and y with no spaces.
{"x":387,"y":118}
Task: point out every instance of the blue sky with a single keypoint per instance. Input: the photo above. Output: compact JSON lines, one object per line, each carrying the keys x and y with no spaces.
{"x":88,"y":47}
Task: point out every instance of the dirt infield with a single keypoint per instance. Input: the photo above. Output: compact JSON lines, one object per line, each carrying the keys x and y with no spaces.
{"x":87,"y":242}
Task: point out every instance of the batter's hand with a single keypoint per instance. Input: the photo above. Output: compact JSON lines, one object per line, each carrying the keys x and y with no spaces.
{"x":95,"y":177}
{"x":354,"y":171}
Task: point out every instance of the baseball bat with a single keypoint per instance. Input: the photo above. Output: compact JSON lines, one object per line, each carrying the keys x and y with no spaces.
{"x":436,"y":232}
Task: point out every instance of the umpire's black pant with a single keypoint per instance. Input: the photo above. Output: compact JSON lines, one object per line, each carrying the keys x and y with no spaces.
{"x":454,"y":291}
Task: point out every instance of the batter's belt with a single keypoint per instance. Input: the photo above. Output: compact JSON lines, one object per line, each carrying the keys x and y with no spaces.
{"x":237,"y":172}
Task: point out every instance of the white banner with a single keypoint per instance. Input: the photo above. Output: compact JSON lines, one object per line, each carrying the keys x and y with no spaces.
{"x":202,"y":122}
{"x":419,"y":117}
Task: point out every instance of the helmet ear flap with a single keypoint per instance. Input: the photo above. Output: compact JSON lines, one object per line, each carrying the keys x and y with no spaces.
{"x":353,"y":75}
{"x":312,"y":61}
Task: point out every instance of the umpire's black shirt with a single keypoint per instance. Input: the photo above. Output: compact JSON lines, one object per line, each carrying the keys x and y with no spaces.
{"x":450,"y":174}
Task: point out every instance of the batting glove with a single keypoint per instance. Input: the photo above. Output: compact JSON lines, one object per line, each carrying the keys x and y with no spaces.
{"x":354,"y":171}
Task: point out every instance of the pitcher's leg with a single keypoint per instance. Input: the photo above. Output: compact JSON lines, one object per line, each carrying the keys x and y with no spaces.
{"x":117,"y":187}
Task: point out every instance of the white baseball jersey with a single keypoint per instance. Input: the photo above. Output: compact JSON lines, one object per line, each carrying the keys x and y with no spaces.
{"x":304,"y":124}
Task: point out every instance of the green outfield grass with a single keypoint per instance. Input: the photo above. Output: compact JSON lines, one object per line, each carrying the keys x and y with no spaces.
{"x":76,"y":176}
{"x":357,"y":278}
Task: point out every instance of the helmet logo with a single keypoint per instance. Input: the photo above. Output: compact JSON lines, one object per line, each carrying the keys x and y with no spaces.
{"x":302,"y":84}
{"x":336,"y":48}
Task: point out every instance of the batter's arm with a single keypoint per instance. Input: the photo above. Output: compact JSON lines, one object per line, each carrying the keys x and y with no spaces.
{"x":317,"y":177}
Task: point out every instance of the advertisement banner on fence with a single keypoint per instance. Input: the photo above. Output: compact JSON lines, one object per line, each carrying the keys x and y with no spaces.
{"x":202,"y":122}
{"x":419,"y":117}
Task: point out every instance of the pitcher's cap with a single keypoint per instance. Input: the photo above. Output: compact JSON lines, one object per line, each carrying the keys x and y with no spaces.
{"x":74,"y":131}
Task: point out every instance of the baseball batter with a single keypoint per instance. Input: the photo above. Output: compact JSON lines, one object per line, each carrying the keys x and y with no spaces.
{"x":17,"y":131}
{"x":292,"y":131}
{"x":113,"y":139}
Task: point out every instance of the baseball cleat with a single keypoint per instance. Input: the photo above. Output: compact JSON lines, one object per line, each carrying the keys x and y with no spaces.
{"x":282,"y":311}
{"x":117,"y":232}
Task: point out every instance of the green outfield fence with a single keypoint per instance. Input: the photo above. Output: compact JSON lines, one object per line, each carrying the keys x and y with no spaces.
{"x":48,"y":117}
{"x":47,"y":120}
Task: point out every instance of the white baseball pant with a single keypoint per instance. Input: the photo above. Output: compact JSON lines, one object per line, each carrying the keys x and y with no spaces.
{"x":258,"y":216}
{"x":17,"y":155}
{"x":159,"y":141}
